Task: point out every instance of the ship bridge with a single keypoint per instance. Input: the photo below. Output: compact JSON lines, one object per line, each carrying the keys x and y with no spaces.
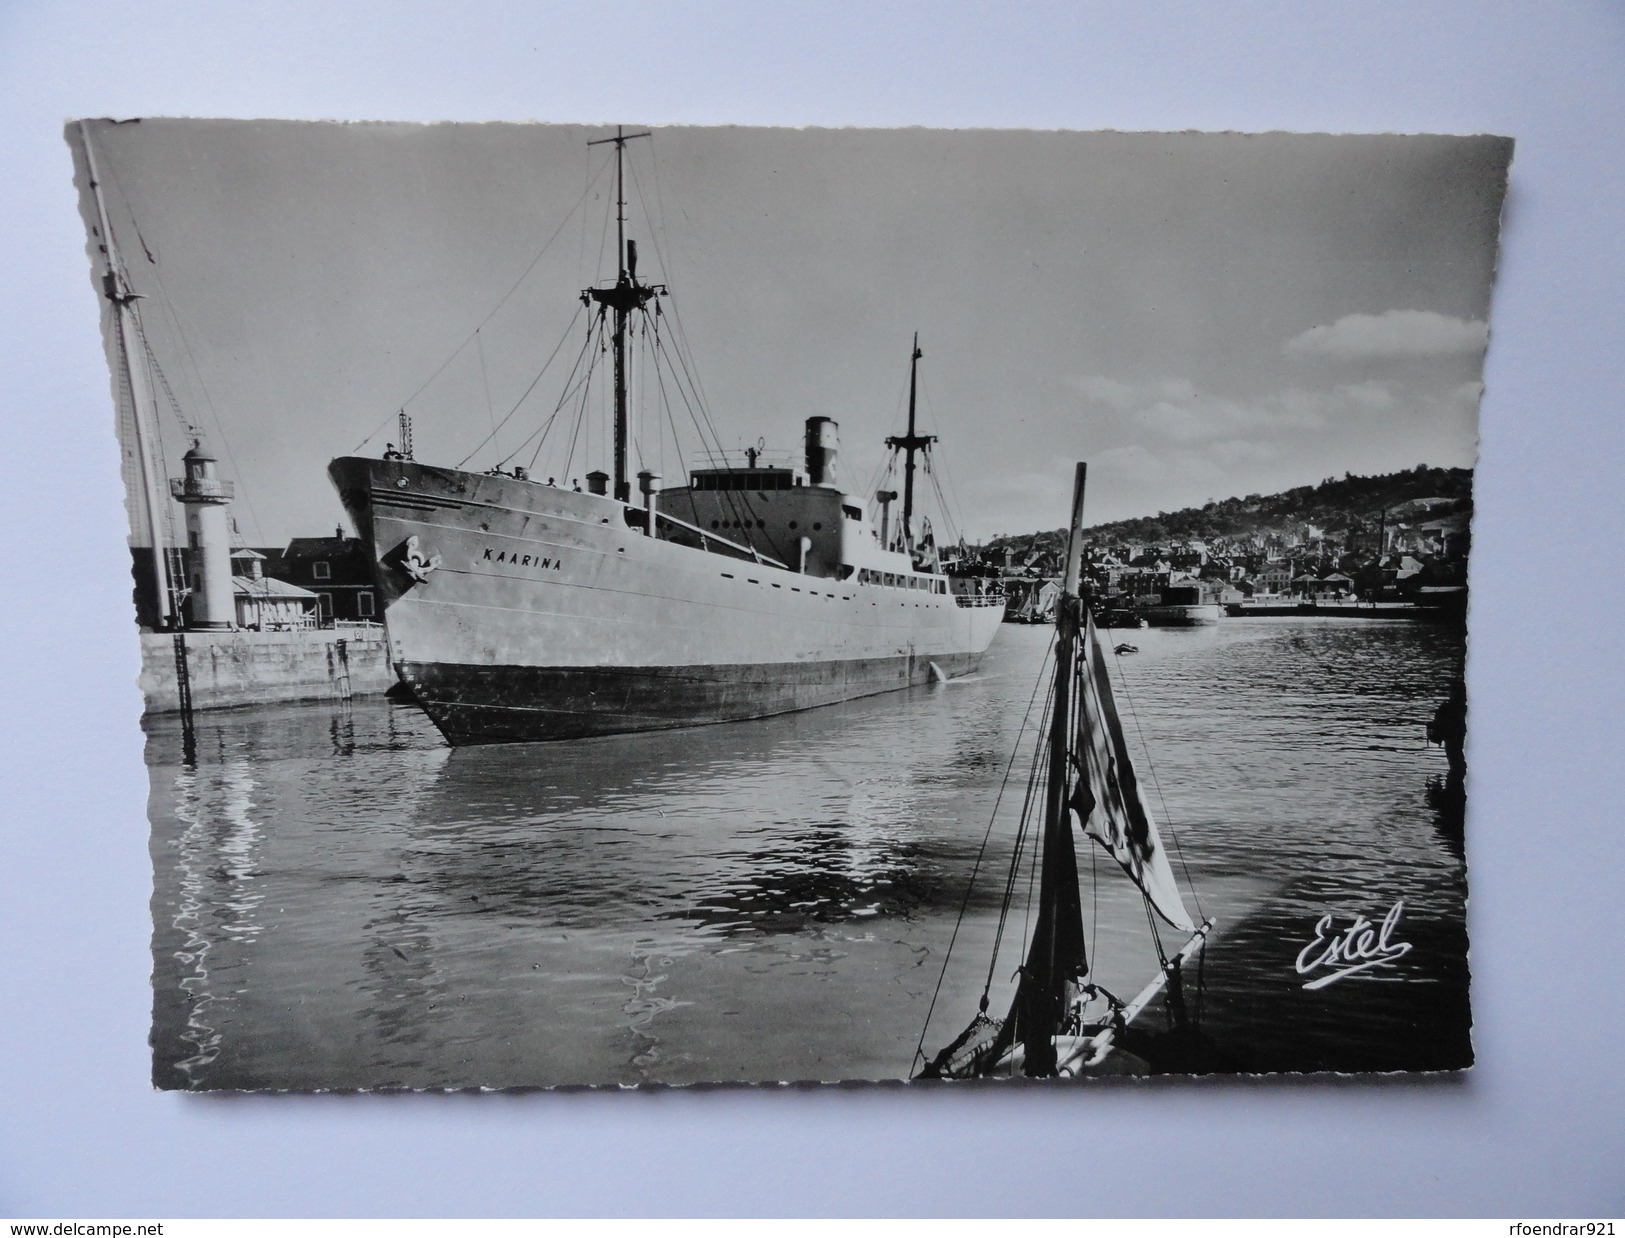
{"x":805,"y":521}
{"x":746,"y":479}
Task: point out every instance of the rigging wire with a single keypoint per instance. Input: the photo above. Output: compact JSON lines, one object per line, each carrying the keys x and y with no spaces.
{"x":952,"y":516}
{"x":168,"y":305}
{"x":478,"y":446}
{"x":1032,"y":880}
{"x":1037,"y":783}
{"x":1094,"y":913}
{"x":981,"y":851}
{"x":524,"y":275}
{"x":735,"y":499}
{"x":485,"y":380}
{"x":571,"y":385}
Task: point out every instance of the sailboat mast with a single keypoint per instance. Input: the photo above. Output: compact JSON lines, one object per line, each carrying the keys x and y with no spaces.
{"x":626,"y":296}
{"x":1059,"y":935}
{"x":127,"y":324}
{"x":1067,"y":619}
{"x":910,"y":443}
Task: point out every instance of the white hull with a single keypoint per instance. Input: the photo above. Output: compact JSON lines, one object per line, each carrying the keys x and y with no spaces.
{"x":549,"y":613}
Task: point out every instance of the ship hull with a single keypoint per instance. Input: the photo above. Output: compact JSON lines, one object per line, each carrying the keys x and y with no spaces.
{"x":474,"y":704}
{"x":521,"y":612}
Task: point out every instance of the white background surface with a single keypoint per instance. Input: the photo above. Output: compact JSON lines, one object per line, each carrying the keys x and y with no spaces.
{"x":1537,"y":1128}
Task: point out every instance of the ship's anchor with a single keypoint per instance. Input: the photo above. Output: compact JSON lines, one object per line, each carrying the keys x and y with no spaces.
{"x":417,"y":564}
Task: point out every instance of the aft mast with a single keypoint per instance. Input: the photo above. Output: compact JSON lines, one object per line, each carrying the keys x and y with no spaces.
{"x":910,"y":443}
{"x":627,"y":295}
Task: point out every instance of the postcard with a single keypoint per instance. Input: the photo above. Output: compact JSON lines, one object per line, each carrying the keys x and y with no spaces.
{"x":632,"y":606}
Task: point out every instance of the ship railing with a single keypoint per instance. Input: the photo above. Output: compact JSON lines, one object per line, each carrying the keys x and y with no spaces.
{"x":971,"y":601}
{"x":710,"y":541}
{"x":742,"y":459}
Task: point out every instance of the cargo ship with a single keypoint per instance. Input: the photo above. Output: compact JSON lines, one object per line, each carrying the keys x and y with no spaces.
{"x":520,"y":610}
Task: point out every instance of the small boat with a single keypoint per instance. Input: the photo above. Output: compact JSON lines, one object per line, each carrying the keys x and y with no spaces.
{"x":1125,"y":647}
{"x":1061,"y":1020}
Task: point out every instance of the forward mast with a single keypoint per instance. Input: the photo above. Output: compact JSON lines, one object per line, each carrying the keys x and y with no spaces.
{"x":627,"y":295}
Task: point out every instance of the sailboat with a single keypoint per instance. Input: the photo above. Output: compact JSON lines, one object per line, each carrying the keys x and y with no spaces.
{"x":1061,"y":1020}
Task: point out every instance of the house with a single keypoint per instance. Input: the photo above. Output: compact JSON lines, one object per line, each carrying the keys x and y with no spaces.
{"x":264,"y":604}
{"x":337,"y":569}
{"x":1275,"y":577}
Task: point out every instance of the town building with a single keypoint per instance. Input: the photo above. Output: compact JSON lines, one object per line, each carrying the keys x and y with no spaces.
{"x":337,"y":570}
{"x":265,"y":604}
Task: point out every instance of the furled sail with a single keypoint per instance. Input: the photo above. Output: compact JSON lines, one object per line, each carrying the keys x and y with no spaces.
{"x":1106,"y":798}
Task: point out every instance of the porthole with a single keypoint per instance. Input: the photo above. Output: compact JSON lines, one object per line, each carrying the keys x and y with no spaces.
{"x":817,"y":525}
{"x":792,"y":524}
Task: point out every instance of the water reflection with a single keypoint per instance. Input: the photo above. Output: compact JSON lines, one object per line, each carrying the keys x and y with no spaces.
{"x":215,"y":858}
{"x":342,"y":901}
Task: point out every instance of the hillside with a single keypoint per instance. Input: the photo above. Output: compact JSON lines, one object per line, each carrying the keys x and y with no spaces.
{"x":1336,"y":503}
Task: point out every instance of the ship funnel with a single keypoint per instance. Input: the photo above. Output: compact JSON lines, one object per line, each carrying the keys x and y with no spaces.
{"x":823,"y":445}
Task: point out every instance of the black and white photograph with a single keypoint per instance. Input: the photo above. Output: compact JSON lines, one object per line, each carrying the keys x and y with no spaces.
{"x":660,"y":605}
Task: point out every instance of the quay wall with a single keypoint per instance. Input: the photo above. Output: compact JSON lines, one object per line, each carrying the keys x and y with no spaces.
{"x":252,"y":668}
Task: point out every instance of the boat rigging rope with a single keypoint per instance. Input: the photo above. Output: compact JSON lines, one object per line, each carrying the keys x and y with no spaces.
{"x":981,"y":852}
{"x":1032,"y":880}
{"x":1037,"y":780}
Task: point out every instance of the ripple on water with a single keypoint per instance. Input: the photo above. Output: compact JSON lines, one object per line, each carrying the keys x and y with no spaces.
{"x":341,"y":901}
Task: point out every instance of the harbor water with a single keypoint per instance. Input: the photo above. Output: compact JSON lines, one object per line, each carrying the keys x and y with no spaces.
{"x":342,"y":901}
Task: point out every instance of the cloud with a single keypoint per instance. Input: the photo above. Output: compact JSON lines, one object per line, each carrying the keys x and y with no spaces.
{"x":1172,"y":409}
{"x":1395,"y":333}
{"x":1125,"y":397}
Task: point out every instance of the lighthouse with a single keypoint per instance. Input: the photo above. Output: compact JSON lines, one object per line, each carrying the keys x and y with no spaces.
{"x":208,"y":538}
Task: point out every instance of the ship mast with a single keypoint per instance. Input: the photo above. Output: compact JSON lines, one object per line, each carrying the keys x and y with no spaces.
{"x":910,"y":443}
{"x":627,"y":295}
{"x":127,"y":323}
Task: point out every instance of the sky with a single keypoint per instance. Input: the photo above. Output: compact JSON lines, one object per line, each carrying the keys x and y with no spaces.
{"x":1196,"y":315}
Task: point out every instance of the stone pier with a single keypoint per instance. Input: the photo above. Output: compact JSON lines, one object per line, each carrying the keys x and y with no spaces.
{"x":252,"y":668}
